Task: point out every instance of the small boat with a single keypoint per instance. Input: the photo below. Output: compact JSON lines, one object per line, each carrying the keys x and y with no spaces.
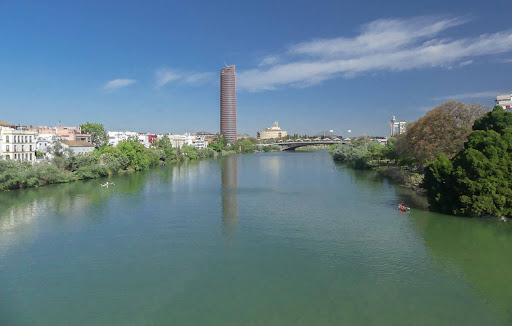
{"x":402,"y":207}
{"x":107,"y":184}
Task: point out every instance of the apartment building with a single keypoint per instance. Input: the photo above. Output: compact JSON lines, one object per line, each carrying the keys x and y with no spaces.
{"x":505,"y":101}
{"x":17,"y":142}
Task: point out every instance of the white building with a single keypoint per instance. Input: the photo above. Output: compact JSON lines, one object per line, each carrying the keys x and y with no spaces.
{"x":78,"y":146}
{"x":196,"y":141}
{"x":44,"y":141}
{"x":272,"y":132}
{"x":17,"y":142}
{"x":505,"y":101}
{"x":178,"y":141}
{"x":114,"y":137}
{"x":397,"y":127}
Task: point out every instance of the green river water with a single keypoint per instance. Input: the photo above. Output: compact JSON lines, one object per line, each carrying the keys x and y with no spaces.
{"x":261,"y":239}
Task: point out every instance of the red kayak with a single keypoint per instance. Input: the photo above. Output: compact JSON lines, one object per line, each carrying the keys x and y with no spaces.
{"x":402,"y":208}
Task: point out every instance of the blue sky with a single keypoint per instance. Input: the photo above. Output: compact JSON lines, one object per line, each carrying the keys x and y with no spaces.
{"x":154,"y":66}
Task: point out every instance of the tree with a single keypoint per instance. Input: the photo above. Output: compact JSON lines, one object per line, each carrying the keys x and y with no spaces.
{"x":443,"y":130}
{"x":376,"y":152}
{"x":136,"y":153}
{"x":355,"y":153}
{"x":218,"y":144}
{"x":113,"y":158}
{"x":478,"y":180}
{"x":98,"y":134}
{"x":58,"y":153}
{"x":390,"y":151}
{"x":189,"y":151}
{"x":245,"y":146}
{"x":164,"y":144}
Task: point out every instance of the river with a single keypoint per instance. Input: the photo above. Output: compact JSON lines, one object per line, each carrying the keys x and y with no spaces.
{"x":260,"y":239}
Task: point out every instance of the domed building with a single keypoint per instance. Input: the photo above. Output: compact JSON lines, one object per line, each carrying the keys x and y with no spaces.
{"x":272,"y":132}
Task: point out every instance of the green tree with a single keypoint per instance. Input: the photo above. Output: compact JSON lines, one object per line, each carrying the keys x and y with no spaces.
{"x":190,"y":151}
{"x":355,"y":154}
{"x":218,"y":144}
{"x":136,"y":153}
{"x":478,"y":180}
{"x":164,"y":144}
{"x":58,"y":153}
{"x":389,"y":151}
{"x":98,"y":134}
{"x":245,"y":146}
{"x":376,"y":152}
{"x":112,"y":158}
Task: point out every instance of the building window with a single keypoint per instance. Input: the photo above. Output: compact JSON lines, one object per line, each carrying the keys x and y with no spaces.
{"x":7,"y":157}
{"x":6,"y":148}
{"x":14,"y":150}
{"x":15,"y":156}
{"x":31,"y":148}
{"x":26,"y":139}
{"x":22,"y":148}
{"x":31,"y":156}
{"x":6,"y":139}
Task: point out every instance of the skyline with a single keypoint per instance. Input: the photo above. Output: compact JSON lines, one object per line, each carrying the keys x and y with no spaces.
{"x":154,"y":68}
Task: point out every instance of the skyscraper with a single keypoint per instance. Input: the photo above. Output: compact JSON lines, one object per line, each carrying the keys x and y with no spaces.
{"x":228,"y":104}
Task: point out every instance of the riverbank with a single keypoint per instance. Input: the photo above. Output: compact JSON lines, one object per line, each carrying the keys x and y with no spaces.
{"x":65,"y":167}
{"x":402,"y":176}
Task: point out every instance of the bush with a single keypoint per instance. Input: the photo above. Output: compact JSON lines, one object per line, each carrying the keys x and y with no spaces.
{"x":136,"y":153}
{"x":15,"y":175}
{"x":478,"y":180}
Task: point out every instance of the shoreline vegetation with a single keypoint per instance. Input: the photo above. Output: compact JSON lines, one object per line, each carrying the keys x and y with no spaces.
{"x":458,"y":155}
{"x":62,"y":166}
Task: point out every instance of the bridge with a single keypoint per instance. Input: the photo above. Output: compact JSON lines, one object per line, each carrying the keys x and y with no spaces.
{"x":292,"y":145}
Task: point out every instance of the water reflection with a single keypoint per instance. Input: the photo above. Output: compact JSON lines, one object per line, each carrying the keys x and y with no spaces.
{"x":229,"y":175}
{"x":272,"y":164}
{"x":21,"y":210}
{"x":479,"y":251}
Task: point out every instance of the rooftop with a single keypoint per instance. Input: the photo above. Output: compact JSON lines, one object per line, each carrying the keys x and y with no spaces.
{"x":77,"y":143}
{"x":6,"y":124}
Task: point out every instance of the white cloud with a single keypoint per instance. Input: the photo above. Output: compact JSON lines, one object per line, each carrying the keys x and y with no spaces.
{"x":378,"y":36}
{"x":166,"y":75}
{"x":465,"y":63}
{"x":487,"y":94}
{"x":118,"y":83}
{"x":269,"y":60}
{"x":386,"y":44}
{"x":198,"y":77}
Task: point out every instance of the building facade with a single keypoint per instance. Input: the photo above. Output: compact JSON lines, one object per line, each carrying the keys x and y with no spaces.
{"x":505,"y":101}
{"x":64,"y":133}
{"x":228,"y":104}
{"x":397,"y":127}
{"x":78,"y":146}
{"x":17,"y":142}
{"x":272,"y":132}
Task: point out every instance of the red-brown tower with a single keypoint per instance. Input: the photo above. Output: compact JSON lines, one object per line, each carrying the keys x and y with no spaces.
{"x":228,"y":104}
